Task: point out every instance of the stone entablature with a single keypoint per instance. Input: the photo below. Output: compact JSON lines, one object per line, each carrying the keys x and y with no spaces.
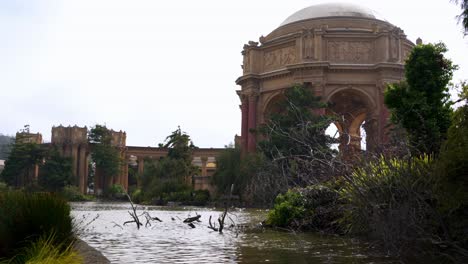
{"x":334,"y":55}
{"x":327,"y":40}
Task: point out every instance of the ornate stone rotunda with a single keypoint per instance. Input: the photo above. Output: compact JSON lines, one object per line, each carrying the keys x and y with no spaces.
{"x":344,"y":52}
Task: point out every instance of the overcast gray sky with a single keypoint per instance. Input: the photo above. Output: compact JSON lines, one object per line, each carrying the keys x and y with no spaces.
{"x":147,"y":66}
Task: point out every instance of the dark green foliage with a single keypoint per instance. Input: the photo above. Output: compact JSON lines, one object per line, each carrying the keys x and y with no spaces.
{"x":296,"y":130}
{"x":452,"y":174}
{"x":19,"y":167}
{"x":137,"y":196}
{"x":180,"y":146}
{"x":117,"y":191}
{"x":170,"y":174}
{"x":6,"y":143}
{"x":105,"y":156}
{"x":463,"y":17}
{"x":56,"y":172}
{"x":315,"y":207}
{"x":421,"y":105}
{"x":228,"y":172}
{"x":73,"y":194}
{"x":25,"y":217}
{"x":288,"y":210}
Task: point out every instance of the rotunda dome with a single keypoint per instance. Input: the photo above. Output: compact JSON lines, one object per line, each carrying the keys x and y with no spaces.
{"x":332,"y":10}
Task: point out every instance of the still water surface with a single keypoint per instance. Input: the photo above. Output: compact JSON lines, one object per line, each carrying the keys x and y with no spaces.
{"x":172,"y":241}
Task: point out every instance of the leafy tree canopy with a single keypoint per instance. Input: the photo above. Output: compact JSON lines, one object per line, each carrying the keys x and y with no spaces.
{"x":105,"y":155}
{"x":19,"y":167}
{"x":421,"y":104}
{"x":56,"y":172}
{"x":463,"y":17}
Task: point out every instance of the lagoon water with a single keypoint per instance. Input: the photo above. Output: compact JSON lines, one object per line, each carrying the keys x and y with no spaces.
{"x":172,"y":241}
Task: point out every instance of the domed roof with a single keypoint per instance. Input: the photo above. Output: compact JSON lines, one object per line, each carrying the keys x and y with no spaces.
{"x":332,"y":10}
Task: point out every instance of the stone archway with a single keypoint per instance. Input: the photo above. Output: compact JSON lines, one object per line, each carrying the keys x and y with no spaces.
{"x":354,"y":108}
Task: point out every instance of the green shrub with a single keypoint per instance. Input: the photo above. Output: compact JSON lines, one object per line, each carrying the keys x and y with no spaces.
{"x":25,"y":217}
{"x":201,"y":197}
{"x":73,"y":194}
{"x":288,"y":209}
{"x":117,"y":191}
{"x":3,"y":187}
{"x":137,"y":196}
{"x":316,"y":207}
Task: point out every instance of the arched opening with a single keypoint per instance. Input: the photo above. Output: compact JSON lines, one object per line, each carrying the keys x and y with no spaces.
{"x":333,"y":131}
{"x":353,"y":110}
{"x":273,"y":106}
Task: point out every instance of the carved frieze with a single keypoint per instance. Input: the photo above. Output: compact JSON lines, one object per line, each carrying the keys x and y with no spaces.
{"x":274,"y":59}
{"x":350,"y":51}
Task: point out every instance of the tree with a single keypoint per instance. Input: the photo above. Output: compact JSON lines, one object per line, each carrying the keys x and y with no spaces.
{"x":56,"y":172}
{"x":295,"y":138}
{"x":6,"y":143}
{"x":19,"y":167}
{"x":463,"y":17}
{"x":169,"y":174}
{"x":421,"y":103}
{"x":228,"y":171}
{"x":106,"y":157}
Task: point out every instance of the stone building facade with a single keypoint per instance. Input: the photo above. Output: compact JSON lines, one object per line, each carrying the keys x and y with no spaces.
{"x":346,"y":53}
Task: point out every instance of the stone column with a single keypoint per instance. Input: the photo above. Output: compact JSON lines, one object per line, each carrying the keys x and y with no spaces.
{"x":141,"y":165}
{"x":252,"y":124}
{"x":203,"y":168}
{"x":245,"y":124}
{"x":75,"y":165}
{"x":82,"y":169}
{"x":383,"y":118}
{"x":371,"y":129}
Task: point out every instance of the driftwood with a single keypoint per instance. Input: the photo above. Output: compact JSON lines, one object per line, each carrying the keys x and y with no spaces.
{"x":133,"y":214}
{"x":212,"y":226}
{"x":149,"y":219}
{"x":192,"y":219}
{"x":222,"y":217}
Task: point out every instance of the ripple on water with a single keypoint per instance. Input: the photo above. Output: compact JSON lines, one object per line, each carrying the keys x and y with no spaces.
{"x":175,"y":242}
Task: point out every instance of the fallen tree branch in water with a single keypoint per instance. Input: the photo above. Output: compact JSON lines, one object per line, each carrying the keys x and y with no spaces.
{"x":192,"y":219}
{"x":134,"y":214}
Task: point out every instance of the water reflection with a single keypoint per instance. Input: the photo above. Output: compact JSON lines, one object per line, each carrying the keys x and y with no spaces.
{"x":172,"y":241}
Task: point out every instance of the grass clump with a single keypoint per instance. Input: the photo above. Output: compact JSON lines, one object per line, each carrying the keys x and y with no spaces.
{"x":46,"y":251}
{"x":26,"y":217}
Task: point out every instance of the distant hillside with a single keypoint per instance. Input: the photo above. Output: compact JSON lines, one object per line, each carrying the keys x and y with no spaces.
{"x":5,"y":144}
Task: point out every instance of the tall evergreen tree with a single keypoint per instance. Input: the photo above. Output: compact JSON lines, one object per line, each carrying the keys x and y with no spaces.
{"x":421,"y":104}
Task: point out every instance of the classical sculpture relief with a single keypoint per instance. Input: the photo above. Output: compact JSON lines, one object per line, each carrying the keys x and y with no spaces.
{"x":394,"y":45}
{"x":307,"y":44}
{"x":279,"y":57}
{"x":350,"y":51}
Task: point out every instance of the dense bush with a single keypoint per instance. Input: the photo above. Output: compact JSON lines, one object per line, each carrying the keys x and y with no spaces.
{"x":26,"y":217}
{"x":3,"y":187}
{"x":452,"y":178}
{"x":117,"y":191}
{"x":315,"y":207}
{"x":73,"y":194}
{"x":137,"y":196}
{"x":393,"y":201}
